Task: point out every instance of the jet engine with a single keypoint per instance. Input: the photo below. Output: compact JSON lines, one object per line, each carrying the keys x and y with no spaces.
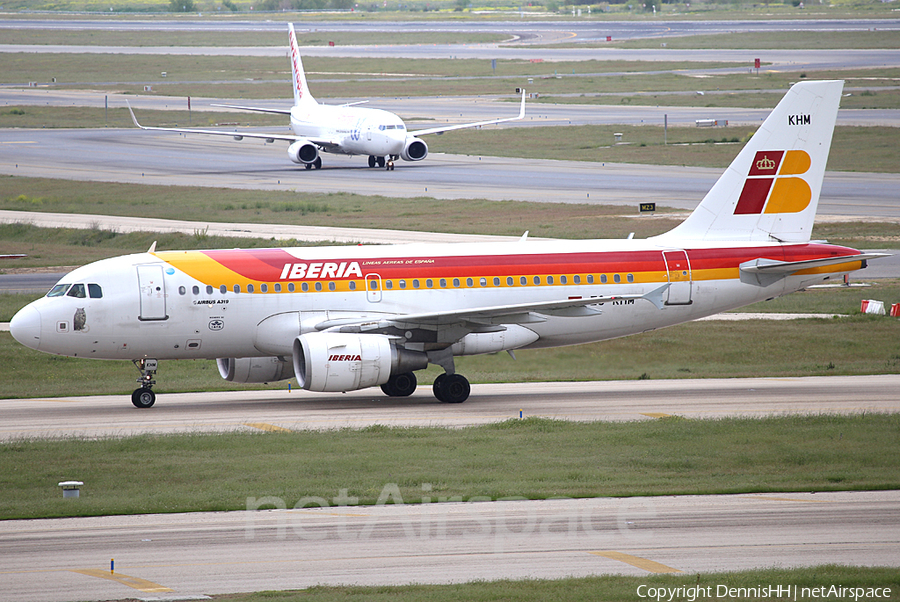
{"x":415,"y":149}
{"x":334,"y":361}
{"x":254,"y":369}
{"x":303,"y":152}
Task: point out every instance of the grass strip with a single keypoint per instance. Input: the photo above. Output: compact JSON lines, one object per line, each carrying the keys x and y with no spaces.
{"x":533,"y":458}
{"x":609,"y":588}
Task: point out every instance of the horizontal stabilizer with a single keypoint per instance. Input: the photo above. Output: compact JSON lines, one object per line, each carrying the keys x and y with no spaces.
{"x":773,"y":266}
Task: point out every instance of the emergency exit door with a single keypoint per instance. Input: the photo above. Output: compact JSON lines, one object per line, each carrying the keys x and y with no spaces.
{"x":678,"y":269}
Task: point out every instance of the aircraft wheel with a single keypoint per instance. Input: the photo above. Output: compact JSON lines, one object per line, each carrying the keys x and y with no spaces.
{"x":143,"y":397}
{"x":454,"y":389}
{"x":380,"y":161}
{"x":400,"y":385}
{"x":390,"y":166}
{"x":308,"y":166}
{"x":372,"y":161}
{"x":318,"y":163}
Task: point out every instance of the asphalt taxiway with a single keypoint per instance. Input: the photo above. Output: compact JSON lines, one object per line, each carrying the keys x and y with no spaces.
{"x":99,"y":416}
{"x":188,"y":556}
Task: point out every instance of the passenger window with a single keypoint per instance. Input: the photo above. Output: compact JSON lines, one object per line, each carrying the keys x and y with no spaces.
{"x":196,"y":290}
{"x":415,"y":283}
{"x":77,"y":291}
{"x":237,"y":288}
{"x":509,"y":281}
{"x":563,"y":280}
{"x":331,"y":286}
{"x":549,"y":279}
{"x":617,"y":278}
{"x":318,"y":286}
{"x":576,"y":279}
{"x":429,"y":283}
{"x":209,"y":289}
{"x":352,"y":285}
{"x":483,"y":282}
{"x":290,"y":287}
{"x":250,"y":288}
{"x":389,"y":284}
{"x":277,"y":287}
{"x":603,"y":278}
{"x":58,"y":291}
{"x":630,"y":277}
{"x":264,"y":288}
{"x":403,"y":284}
{"x":443,"y":283}
{"x":523,"y":280}
{"x":590,"y":278}
{"x":223,"y":289}
{"x":181,"y":291}
{"x":304,"y":287}
{"x":96,"y":292}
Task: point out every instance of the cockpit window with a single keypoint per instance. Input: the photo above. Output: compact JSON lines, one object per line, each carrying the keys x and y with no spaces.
{"x":58,"y":291}
{"x":95,"y":291}
{"x":77,"y":291}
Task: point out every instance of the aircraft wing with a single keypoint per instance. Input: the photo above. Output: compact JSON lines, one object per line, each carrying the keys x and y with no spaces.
{"x":462,"y":126}
{"x":257,"y":109}
{"x":772,"y":266}
{"x":485,"y":319}
{"x":235,"y":135}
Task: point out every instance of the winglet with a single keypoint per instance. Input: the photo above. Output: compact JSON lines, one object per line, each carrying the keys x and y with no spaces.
{"x":152,"y":248}
{"x":133,"y":118}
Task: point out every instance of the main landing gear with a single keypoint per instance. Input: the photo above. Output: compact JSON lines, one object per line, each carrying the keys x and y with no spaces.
{"x":385,"y":162}
{"x":451,"y":388}
{"x":317,"y":164}
{"x":144,"y":397}
{"x":448,"y":388}
{"x":400,"y":385}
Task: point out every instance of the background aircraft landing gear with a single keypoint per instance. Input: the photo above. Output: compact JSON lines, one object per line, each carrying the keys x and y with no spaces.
{"x":400,"y":385}
{"x":144,"y":397}
{"x":451,"y":388}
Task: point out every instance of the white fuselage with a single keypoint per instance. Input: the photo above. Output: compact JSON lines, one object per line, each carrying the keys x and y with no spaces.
{"x":351,"y":130}
{"x":252,"y":303}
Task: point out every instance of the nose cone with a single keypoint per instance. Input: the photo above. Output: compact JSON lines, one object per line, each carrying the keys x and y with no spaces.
{"x":26,"y":327}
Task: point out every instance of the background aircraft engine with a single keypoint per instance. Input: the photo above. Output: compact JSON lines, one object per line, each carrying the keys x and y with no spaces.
{"x":303,"y":152}
{"x":254,"y":369}
{"x":415,"y":149}
{"x":335,"y":361}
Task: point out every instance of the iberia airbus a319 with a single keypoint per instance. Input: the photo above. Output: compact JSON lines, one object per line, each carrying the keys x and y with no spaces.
{"x":339,"y":129}
{"x":347,"y":318}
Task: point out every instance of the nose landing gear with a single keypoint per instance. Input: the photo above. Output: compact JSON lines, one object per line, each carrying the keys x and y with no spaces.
{"x":144,"y":397}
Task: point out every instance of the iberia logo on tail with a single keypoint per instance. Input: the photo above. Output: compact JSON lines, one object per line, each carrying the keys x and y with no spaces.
{"x":772,"y":186}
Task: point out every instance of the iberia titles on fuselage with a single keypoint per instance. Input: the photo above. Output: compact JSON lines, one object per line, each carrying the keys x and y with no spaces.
{"x":346,"y":318}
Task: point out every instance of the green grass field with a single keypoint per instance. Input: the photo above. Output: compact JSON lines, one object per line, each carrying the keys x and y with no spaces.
{"x":669,"y":456}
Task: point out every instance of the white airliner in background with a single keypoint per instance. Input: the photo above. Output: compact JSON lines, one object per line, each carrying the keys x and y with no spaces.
{"x":347,"y":318}
{"x":343,"y":129}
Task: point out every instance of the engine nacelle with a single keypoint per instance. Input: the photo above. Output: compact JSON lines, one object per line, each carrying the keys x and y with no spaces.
{"x":415,"y":149}
{"x":254,"y":369}
{"x":337,"y":361}
{"x":303,"y":152}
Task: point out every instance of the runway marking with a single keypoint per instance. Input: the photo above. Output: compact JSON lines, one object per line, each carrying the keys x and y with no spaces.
{"x":637,"y":561}
{"x":656,"y":414}
{"x":135,"y":582}
{"x":19,"y":142}
{"x":264,"y":426}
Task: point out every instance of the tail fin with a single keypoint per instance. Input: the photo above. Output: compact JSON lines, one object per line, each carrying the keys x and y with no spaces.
{"x":770,"y":192}
{"x":301,"y":90}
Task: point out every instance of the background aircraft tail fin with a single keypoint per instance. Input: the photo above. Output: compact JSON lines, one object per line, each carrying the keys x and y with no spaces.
{"x":770,"y":191}
{"x":301,"y":90}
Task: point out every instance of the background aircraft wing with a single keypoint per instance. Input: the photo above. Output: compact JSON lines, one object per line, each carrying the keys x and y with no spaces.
{"x":236,"y":135}
{"x":257,"y":109}
{"x":462,"y":126}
